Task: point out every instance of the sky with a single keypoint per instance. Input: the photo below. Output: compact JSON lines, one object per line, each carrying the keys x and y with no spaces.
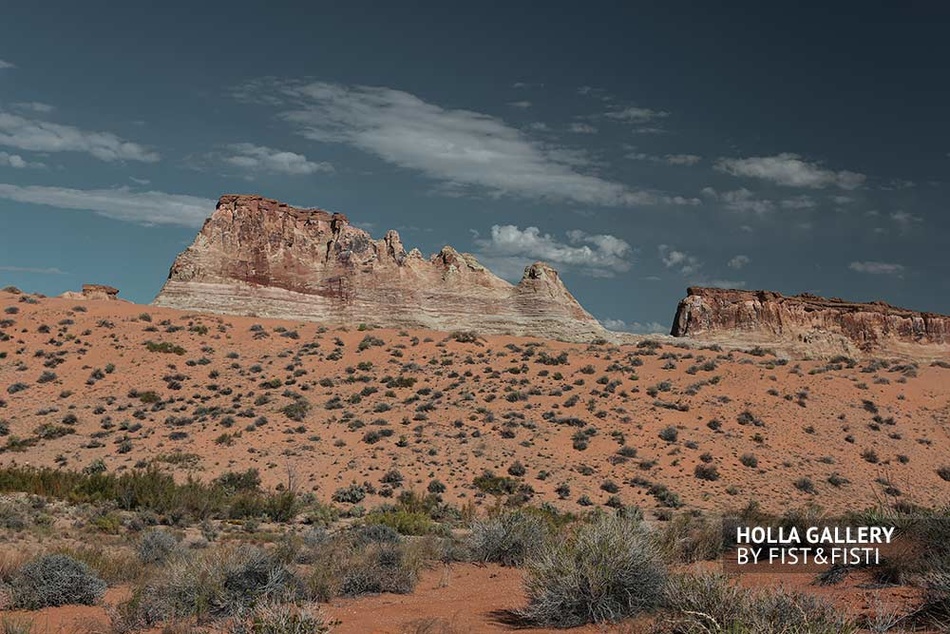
{"x":639,"y":148}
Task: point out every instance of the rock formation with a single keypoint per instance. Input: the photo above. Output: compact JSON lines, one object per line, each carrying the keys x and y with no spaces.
{"x":811,"y":324}
{"x":93,"y":291}
{"x":256,"y":256}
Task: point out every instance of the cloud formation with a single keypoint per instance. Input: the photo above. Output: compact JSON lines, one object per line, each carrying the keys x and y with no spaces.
{"x":17,"y":161}
{"x":644,"y":328}
{"x":31,"y":269}
{"x":668,"y":159}
{"x":148,"y":208}
{"x":43,"y":136}
{"x":789,"y":170}
{"x":461,"y":148}
{"x":257,"y":158}
{"x":679,"y":260}
{"x":877,"y":268}
{"x":741,"y":200}
{"x":632,"y":114}
{"x":582,"y":128}
{"x":598,"y":255}
{"x":5,"y":64}
{"x":739,"y":262}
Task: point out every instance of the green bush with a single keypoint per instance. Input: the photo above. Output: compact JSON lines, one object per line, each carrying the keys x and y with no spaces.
{"x":165,"y":347}
{"x":609,"y":570}
{"x":403,"y":522}
{"x":52,"y":580}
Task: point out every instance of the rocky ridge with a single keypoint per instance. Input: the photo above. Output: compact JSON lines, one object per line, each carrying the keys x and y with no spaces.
{"x":810,"y":324}
{"x":257,"y":256}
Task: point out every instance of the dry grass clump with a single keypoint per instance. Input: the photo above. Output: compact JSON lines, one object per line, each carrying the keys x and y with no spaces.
{"x":508,"y":538}
{"x":608,"y":570}
{"x":280,"y":618}
{"x":210,"y":585}
{"x":703,"y":603}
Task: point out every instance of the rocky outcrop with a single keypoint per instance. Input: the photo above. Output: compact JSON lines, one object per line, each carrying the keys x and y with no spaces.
{"x":256,"y":256}
{"x":94,"y":291}
{"x":810,"y":323}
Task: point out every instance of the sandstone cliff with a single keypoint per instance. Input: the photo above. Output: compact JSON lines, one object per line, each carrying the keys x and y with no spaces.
{"x":810,"y":324}
{"x":256,"y":256}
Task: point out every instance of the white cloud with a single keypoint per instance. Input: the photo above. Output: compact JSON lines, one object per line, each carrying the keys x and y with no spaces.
{"x":30,"y":269}
{"x":520,"y":104}
{"x":149,"y":208}
{"x":680,"y":260}
{"x":5,"y":64}
{"x":905,"y":219}
{"x":739,"y":262}
{"x":582,"y":128}
{"x":17,"y":161}
{"x":43,"y":136}
{"x":669,"y":159}
{"x":877,"y":268}
{"x":682,"y":159}
{"x":790,"y":170}
{"x":742,"y":200}
{"x":645,"y":328}
{"x":632,"y":114}
{"x":464,"y":148}
{"x":798,"y":202}
{"x":34,"y":106}
{"x":264,"y":159}
{"x":598,"y":255}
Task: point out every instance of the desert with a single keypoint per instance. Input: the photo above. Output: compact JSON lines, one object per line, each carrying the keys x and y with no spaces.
{"x":460,"y":318}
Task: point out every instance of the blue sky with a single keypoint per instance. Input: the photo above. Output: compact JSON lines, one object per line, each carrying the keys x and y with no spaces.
{"x":638,"y":149}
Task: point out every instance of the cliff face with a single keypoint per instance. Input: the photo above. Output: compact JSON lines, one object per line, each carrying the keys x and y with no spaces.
{"x":828,"y":325}
{"x":256,"y":256}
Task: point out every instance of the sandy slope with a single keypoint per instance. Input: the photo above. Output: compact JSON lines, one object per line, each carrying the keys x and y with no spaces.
{"x":472,"y":407}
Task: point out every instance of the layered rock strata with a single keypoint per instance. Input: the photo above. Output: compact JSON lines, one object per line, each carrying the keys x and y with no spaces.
{"x":256,"y":256}
{"x":827,"y":325}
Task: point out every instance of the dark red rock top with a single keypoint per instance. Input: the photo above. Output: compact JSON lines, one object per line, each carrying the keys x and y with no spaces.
{"x":89,"y":289}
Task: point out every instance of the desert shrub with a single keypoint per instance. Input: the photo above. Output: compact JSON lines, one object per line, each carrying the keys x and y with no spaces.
{"x":210,"y":585}
{"x":165,"y":347}
{"x":465,"y":336}
{"x":710,"y":603}
{"x":749,"y":460}
{"x":156,"y":546}
{"x":944,"y":472}
{"x":352,"y":494}
{"x":403,"y":522}
{"x":380,"y":568}
{"x":805,"y":484}
{"x":508,"y":538}
{"x":52,"y":580}
{"x":496,"y":485}
{"x":609,"y":570}
{"x":298,"y":410}
{"x":669,"y":434}
{"x":375,"y":533}
{"x":701,"y":601}
{"x":277,"y":618}
{"x":688,"y":539}
{"x":706,"y":472}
